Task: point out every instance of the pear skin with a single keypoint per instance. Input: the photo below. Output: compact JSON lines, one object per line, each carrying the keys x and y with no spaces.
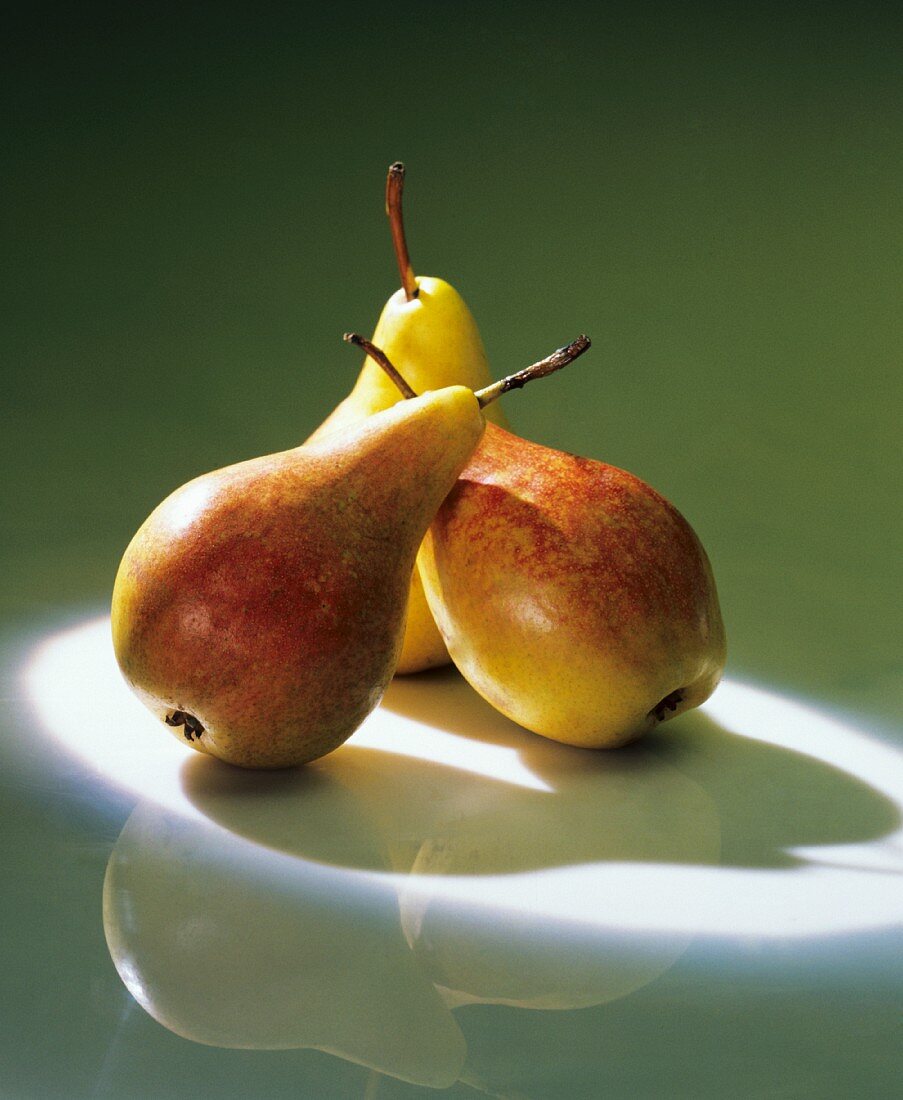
{"x":571,"y":595}
{"x":259,"y":611}
{"x":434,"y":342}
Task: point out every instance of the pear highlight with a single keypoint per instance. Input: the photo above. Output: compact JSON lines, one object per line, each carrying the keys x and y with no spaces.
{"x":259,"y":611}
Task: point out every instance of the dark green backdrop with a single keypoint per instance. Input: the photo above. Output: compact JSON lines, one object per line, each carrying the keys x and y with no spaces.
{"x":192,"y":216}
{"x":193,"y":212}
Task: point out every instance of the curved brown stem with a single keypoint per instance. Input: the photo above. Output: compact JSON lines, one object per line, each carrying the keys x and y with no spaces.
{"x":380,"y":357}
{"x":394,"y":192}
{"x":558,"y":359}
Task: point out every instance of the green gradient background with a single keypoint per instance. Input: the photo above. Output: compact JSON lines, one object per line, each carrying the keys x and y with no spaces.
{"x":193,"y":215}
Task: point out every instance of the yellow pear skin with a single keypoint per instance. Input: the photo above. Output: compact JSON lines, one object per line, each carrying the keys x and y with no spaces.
{"x":259,"y":611}
{"x":571,"y":595}
{"x":433,"y":341}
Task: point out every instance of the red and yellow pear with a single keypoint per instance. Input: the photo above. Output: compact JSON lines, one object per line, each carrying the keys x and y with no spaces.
{"x":260,"y":609}
{"x":571,"y":595}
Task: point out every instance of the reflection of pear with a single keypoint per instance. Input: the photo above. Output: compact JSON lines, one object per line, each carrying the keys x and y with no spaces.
{"x":644,"y":810}
{"x":537,"y":809}
{"x":516,"y":961}
{"x":233,"y":946}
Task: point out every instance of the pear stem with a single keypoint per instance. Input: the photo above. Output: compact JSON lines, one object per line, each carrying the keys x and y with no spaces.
{"x":394,"y":192}
{"x":558,"y":359}
{"x":380,"y":357}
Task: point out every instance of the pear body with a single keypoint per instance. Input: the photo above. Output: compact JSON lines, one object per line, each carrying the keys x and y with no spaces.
{"x":571,"y":595}
{"x":260,"y":609}
{"x":433,"y":341}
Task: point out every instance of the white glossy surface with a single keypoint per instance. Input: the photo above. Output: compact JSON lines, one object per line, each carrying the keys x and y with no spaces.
{"x":652,"y":866}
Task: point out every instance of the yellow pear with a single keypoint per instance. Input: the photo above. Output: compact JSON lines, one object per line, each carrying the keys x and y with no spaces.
{"x":429,"y":334}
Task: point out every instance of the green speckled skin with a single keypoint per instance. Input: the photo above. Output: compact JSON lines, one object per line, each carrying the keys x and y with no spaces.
{"x":267,"y":599}
{"x":570,"y":594}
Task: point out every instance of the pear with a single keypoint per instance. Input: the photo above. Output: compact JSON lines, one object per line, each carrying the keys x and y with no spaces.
{"x":571,"y":595}
{"x":259,"y":611}
{"x":430,"y":335}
